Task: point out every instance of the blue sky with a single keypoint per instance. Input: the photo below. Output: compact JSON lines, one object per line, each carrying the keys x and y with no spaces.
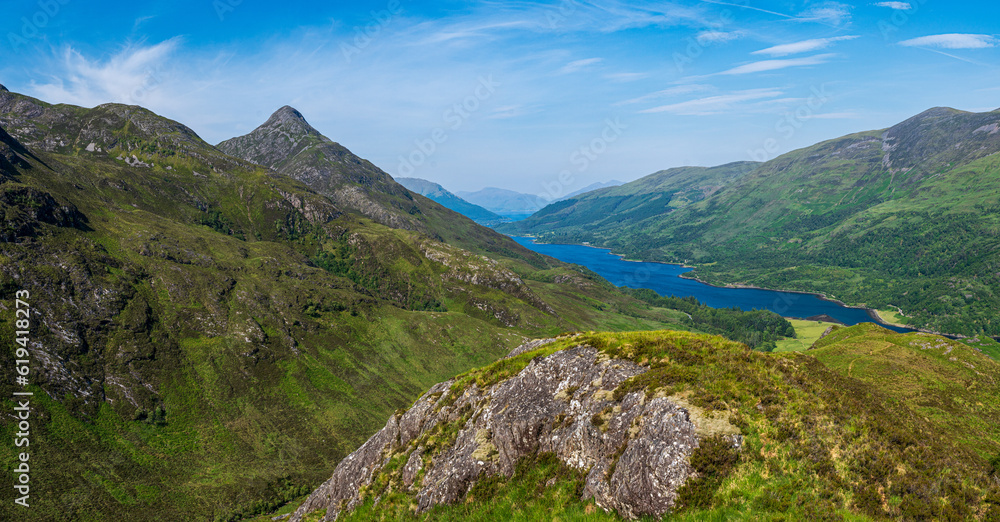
{"x":543,"y":98}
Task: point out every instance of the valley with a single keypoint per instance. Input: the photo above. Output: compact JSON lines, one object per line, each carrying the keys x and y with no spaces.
{"x":903,"y":217}
{"x":218,"y":303}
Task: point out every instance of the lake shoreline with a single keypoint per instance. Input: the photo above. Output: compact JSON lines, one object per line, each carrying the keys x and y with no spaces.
{"x":872,"y":313}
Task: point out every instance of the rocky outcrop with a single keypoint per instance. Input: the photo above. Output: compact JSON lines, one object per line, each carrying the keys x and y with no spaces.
{"x":634,"y":449}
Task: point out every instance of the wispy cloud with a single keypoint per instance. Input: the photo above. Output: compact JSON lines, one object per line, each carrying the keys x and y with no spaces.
{"x":804,"y":46}
{"x":666,"y":93}
{"x":718,"y":37}
{"x":510,"y":111}
{"x":715,"y":104}
{"x":899,"y":6}
{"x":626,"y":77}
{"x":578,"y":65}
{"x":774,"y":65}
{"x":131,"y":76}
{"x":831,"y":13}
{"x":952,"y":41}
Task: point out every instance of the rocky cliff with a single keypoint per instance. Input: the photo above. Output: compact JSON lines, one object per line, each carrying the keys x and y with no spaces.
{"x":604,"y":426}
{"x":634,"y":447}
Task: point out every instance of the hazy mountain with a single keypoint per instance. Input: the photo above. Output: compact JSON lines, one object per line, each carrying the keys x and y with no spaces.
{"x":504,"y":202}
{"x":907,"y":216}
{"x":439,"y":194}
{"x":590,"y":188}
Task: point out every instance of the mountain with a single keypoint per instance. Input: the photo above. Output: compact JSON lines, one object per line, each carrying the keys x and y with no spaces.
{"x":647,"y":424}
{"x":649,"y":197}
{"x":504,"y":202}
{"x":208,"y":335}
{"x":290,"y":146}
{"x":590,"y":188}
{"x":904,"y":217}
{"x":438,"y":194}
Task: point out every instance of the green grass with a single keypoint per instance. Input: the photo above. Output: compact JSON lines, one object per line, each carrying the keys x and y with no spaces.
{"x":826,"y":437}
{"x":806,"y":333}
{"x":216,"y":365}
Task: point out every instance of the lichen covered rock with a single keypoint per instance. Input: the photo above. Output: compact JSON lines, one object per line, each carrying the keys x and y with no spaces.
{"x":634,"y":448}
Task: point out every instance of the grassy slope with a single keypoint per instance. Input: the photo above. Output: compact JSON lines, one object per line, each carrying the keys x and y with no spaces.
{"x":906,"y":217}
{"x":952,"y":386}
{"x":806,"y":333}
{"x":634,"y":202}
{"x":819,"y":442}
{"x":268,"y":368}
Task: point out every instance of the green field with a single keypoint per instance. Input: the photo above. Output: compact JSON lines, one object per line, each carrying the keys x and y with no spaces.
{"x":806,"y":333}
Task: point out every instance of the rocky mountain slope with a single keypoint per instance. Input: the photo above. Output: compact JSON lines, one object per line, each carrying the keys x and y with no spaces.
{"x":907,"y":216}
{"x":210,"y":336}
{"x":438,"y":193}
{"x":289,"y":145}
{"x":645,"y":424}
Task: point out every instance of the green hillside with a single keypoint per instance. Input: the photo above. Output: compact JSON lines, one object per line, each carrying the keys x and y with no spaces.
{"x":210,"y":335}
{"x":908,"y":216}
{"x":870,"y":425}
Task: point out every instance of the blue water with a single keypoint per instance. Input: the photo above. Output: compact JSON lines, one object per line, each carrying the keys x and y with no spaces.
{"x":665,"y":280}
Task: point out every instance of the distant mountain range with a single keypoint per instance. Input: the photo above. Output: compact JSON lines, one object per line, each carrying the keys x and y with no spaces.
{"x":518,"y":205}
{"x":907,"y":216}
{"x":589,"y":188}
{"x":441,"y":195}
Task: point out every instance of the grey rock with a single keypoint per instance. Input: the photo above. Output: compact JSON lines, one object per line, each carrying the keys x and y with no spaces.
{"x":563,"y":404}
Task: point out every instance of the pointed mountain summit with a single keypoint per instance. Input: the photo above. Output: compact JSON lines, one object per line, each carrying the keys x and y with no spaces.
{"x":287,"y":143}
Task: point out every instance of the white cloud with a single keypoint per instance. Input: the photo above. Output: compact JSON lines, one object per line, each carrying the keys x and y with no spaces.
{"x":577,"y":65}
{"x":774,"y":65}
{"x":132,"y":76}
{"x":899,"y":6}
{"x":832,"y":13}
{"x":804,"y":46}
{"x":718,"y":37}
{"x":666,"y":93}
{"x":952,"y":41}
{"x":715,"y":104}
{"x":626,"y":77}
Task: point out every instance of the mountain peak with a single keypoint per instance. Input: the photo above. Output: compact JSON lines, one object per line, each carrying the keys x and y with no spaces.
{"x":3,"y":89}
{"x":287,"y":114}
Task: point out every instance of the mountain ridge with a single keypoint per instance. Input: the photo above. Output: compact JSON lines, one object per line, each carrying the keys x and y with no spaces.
{"x":441,"y":195}
{"x":883,"y":218}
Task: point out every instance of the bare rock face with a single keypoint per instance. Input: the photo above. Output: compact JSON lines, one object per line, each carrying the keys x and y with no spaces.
{"x":635,"y":451}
